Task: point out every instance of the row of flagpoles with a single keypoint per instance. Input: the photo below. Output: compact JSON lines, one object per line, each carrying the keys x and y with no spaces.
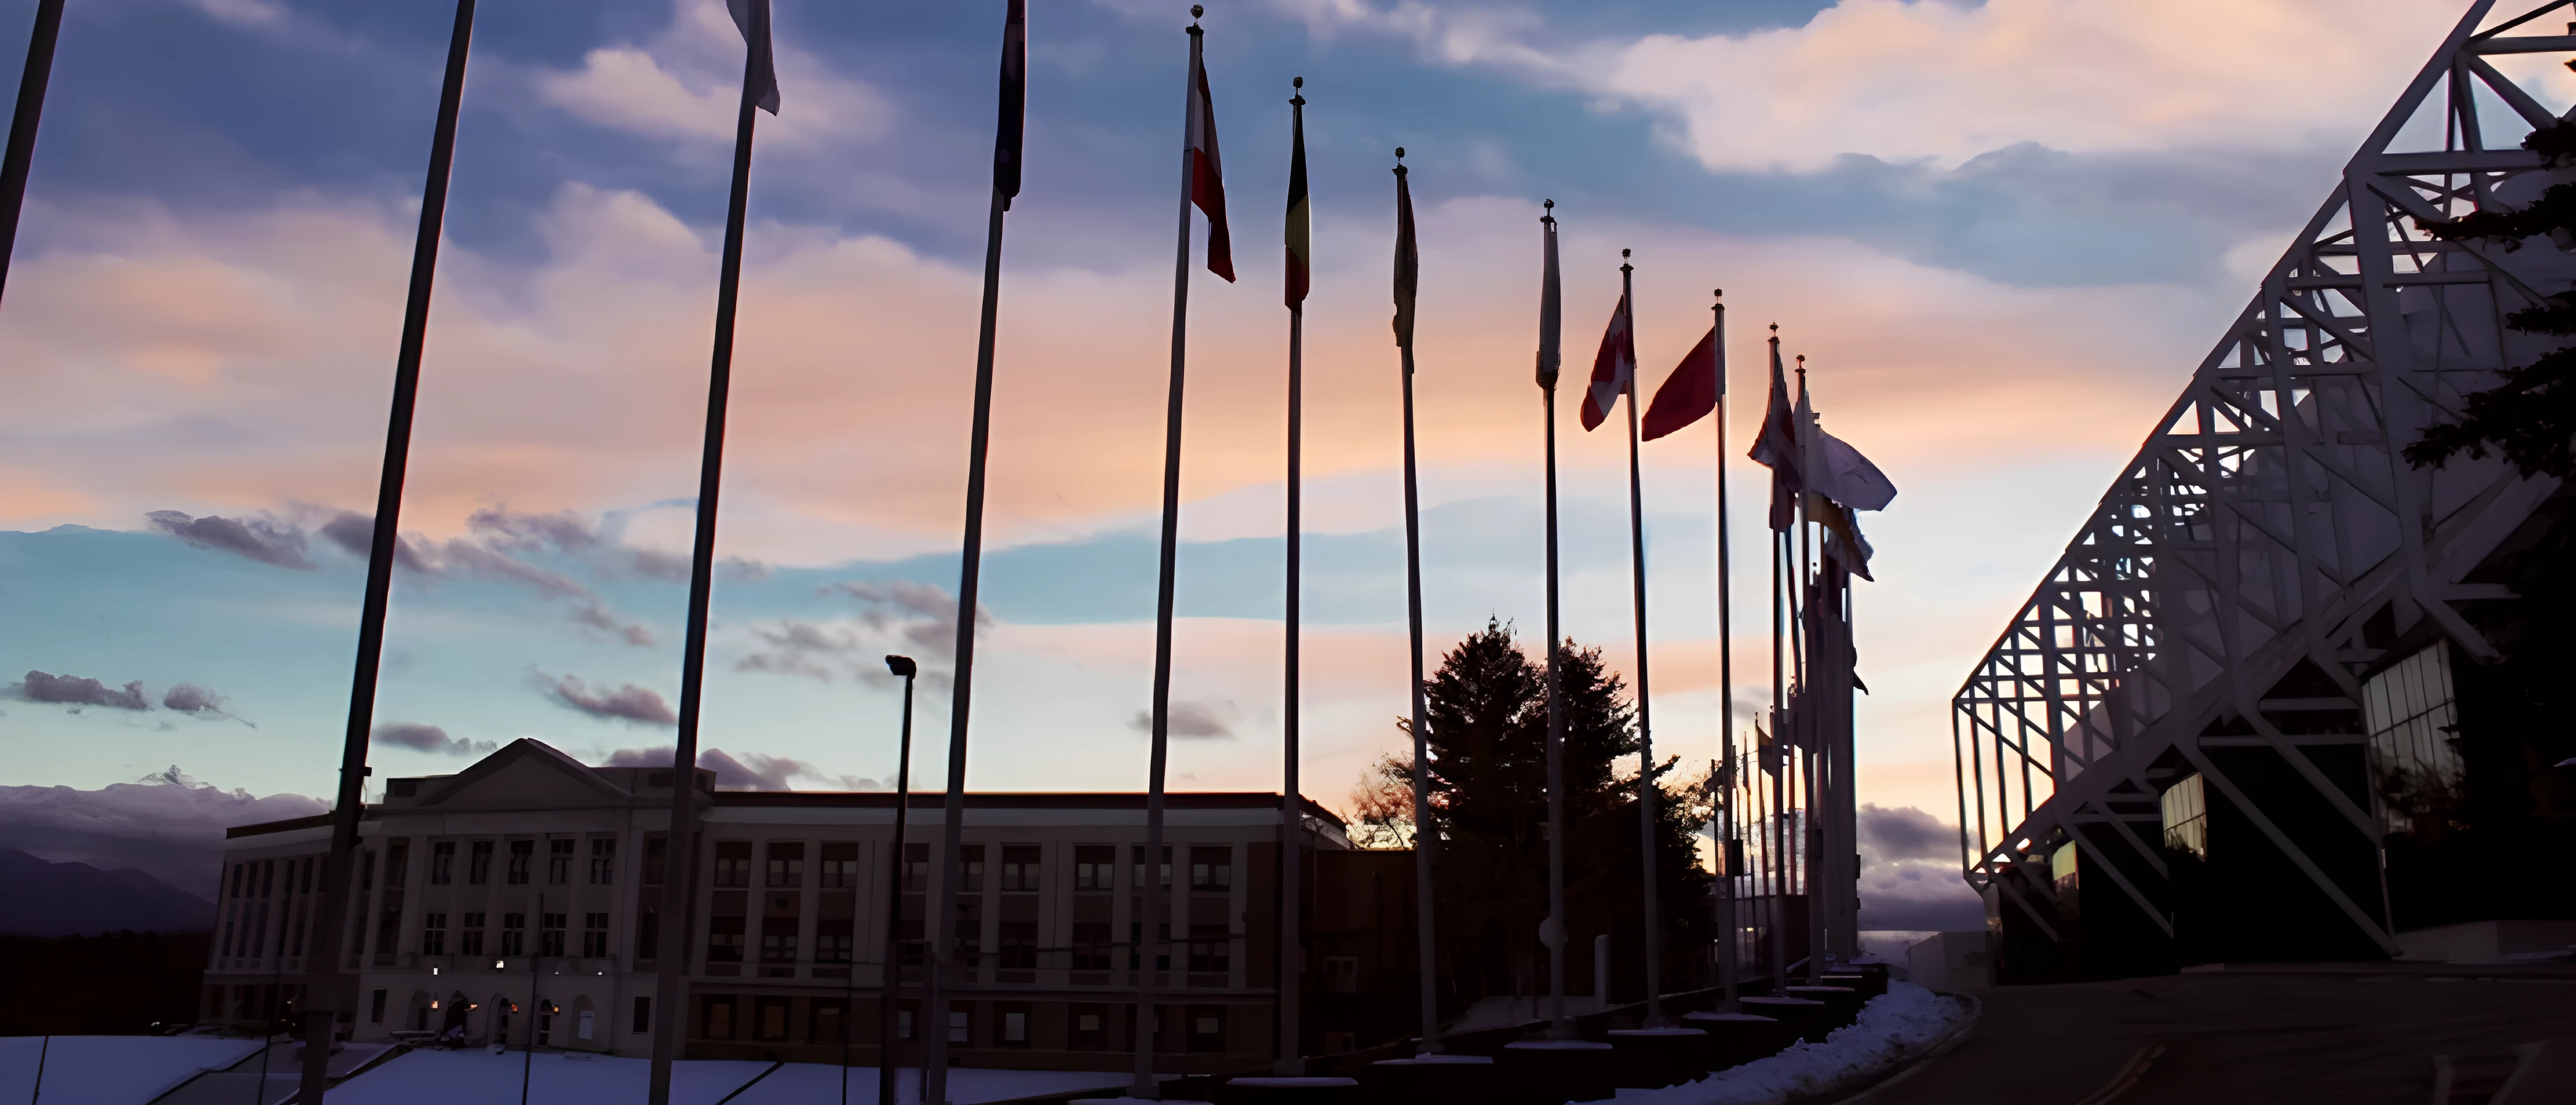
{"x":1818,"y":482}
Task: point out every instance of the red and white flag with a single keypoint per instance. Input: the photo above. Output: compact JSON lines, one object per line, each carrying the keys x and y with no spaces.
{"x":1207,"y":178}
{"x":1614,"y":369}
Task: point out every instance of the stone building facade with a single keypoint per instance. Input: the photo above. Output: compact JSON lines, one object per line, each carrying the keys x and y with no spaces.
{"x":519,"y":900}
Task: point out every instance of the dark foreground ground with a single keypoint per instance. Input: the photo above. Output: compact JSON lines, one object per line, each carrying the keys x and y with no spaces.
{"x":2358,"y":1033}
{"x":117,"y":984}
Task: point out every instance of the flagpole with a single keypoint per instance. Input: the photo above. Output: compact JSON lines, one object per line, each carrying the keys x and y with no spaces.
{"x":1550,"y":327}
{"x":329,"y":993}
{"x":1725,"y":657}
{"x":670,"y":985}
{"x":1777,"y":829}
{"x":940,"y":920}
{"x":1292,"y":953}
{"x":22,"y":127}
{"x":1811,"y":834}
{"x":1424,"y":836}
{"x":1653,"y":921}
{"x":1149,"y":937}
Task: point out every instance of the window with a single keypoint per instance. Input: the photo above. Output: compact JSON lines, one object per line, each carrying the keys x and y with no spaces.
{"x":717,"y":1022}
{"x":1092,"y":867}
{"x":2062,"y":868}
{"x":1014,"y":1024}
{"x":903,"y":1020}
{"x":733,"y":863}
{"x":559,"y":861}
{"x":786,"y":865}
{"x":777,"y":947}
{"x":724,"y":939}
{"x":594,"y":936}
{"x":970,"y":867}
{"x":1342,"y":974}
{"x":840,"y":868}
{"x":478,"y":870}
{"x":442,"y":863}
{"x":1090,"y":1027}
{"x":657,"y":851}
{"x":523,"y":855}
{"x":643,"y":1021}
{"x":1209,"y":948}
{"x":1211,"y":869}
{"x":550,"y":934}
{"x":239,"y":869}
{"x":1136,"y":942}
{"x":603,"y":860}
{"x":1090,"y":945}
{"x":1207,"y":1028}
{"x":648,"y":931}
{"x":1020,"y":867}
{"x":831,"y":1021}
{"x":832,"y":940}
{"x":771,"y":1017}
{"x":961,"y":1026}
{"x":376,"y":1008}
{"x":1136,"y":856}
{"x":469,"y":938}
{"x":433,"y":934}
{"x":2414,"y":724}
{"x":514,"y":934}
{"x":1019,"y":945}
{"x":2186,"y":817}
{"x":916,"y":868}
{"x":585,"y":1019}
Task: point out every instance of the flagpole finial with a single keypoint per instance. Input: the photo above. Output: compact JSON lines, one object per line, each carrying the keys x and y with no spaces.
{"x":1548,"y":214}
{"x":1624,"y":266}
{"x":1299,"y":98}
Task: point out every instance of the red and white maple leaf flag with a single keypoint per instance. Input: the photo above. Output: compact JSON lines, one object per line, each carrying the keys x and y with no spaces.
{"x":1614,"y":369}
{"x":1207,"y":178}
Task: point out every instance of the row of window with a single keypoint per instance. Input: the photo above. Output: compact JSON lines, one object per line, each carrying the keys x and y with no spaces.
{"x":1094,"y":866}
{"x":512,"y":934}
{"x":1009,"y":1024}
{"x":561,"y":854}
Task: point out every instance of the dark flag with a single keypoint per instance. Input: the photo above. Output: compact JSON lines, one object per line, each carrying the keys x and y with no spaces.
{"x":1551,"y":314}
{"x":1776,"y":447}
{"x":1408,"y":261}
{"x":1300,"y":263}
{"x":752,"y":18}
{"x":1207,"y":177}
{"x":1690,"y":393}
{"x":1014,"y":103}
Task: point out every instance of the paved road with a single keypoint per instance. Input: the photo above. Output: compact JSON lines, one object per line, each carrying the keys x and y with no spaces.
{"x":2358,"y":1033}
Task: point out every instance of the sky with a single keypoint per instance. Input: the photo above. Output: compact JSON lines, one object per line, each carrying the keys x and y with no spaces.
{"x":2002,"y":234}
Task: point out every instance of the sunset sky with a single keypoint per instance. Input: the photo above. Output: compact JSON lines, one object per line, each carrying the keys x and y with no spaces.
{"x":2002,"y":234}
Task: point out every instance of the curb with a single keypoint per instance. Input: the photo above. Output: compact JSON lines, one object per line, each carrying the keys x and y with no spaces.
{"x":1866,"y":1085}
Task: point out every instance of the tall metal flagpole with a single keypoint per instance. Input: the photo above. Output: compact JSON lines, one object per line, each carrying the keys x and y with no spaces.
{"x":22,"y":127}
{"x":328,"y":993}
{"x":1407,"y":277}
{"x":941,"y":920}
{"x":1652,"y":926}
{"x":1551,"y":328}
{"x":1776,"y":835}
{"x":1149,"y":938}
{"x":759,"y":91}
{"x":1727,"y":849}
{"x":890,"y":975}
{"x":1292,"y":811}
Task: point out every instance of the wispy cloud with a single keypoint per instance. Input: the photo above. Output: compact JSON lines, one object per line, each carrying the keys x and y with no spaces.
{"x":431,"y":739}
{"x":626,"y":702}
{"x":74,"y":690}
{"x":742,"y":771}
{"x":1191,"y":720}
{"x":262,"y":539}
{"x":189,"y":698}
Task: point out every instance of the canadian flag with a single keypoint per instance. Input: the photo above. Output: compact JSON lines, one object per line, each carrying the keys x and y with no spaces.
{"x":1614,"y":369}
{"x":1207,"y":179}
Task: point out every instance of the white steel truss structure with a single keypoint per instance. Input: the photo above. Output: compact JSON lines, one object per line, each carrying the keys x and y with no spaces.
{"x":2270,"y":515}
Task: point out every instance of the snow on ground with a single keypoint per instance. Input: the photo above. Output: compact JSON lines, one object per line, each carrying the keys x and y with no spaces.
{"x":446,"y":1077}
{"x":110,"y":1070}
{"x":1898,"y":1025}
{"x":820,"y":1084}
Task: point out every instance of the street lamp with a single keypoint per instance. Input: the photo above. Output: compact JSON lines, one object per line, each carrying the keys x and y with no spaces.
{"x":889,"y":973}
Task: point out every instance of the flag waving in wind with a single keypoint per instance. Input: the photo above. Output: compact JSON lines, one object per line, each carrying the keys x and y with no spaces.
{"x":1408,"y":259}
{"x":1614,"y":369}
{"x":1690,"y":393}
{"x":1551,"y":305}
{"x":1776,"y":447}
{"x":1207,"y":178}
{"x":752,"y":18}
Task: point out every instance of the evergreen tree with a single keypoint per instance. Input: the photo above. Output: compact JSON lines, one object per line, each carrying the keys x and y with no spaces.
{"x":2530,"y":417}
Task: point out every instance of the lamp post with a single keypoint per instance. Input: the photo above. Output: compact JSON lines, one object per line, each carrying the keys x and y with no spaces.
{"x":889,"y":973}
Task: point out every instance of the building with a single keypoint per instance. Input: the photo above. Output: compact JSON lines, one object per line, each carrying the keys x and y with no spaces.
{"x":519,"y":900}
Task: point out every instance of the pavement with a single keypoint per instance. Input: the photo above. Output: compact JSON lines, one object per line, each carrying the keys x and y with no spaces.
{"x":2344,"y":1033}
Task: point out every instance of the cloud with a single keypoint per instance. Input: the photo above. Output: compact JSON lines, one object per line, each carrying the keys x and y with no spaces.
{"x":744,"y":771}
{"x":1905,"y":833}
{"x":1190,"y":720}
{"x":501,"y":533}
{"x":922,"y":614}
{"x":73,"y":690}
{"x":260,"y":539}
{"x":685,"y":84}
{"x":168,"y":825}
{"x":189,"y":698}
{"x":431,"y":739}
{"x":628,"y":702}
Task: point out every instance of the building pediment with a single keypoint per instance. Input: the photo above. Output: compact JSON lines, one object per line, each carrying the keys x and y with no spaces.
{"x":526,"y":774}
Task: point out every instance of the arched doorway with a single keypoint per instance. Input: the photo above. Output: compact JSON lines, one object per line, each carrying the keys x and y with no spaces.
{"x":452,"y":1025}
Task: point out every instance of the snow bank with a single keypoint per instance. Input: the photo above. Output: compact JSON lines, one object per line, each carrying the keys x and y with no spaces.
{"x":820,"y":1084}
{"x":112,"y":1070}
{"x":448,"y":1077}
{"x":1894,"y":1027}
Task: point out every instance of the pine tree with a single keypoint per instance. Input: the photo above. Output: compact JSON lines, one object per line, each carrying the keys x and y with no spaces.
{"x":2531,"y":416}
